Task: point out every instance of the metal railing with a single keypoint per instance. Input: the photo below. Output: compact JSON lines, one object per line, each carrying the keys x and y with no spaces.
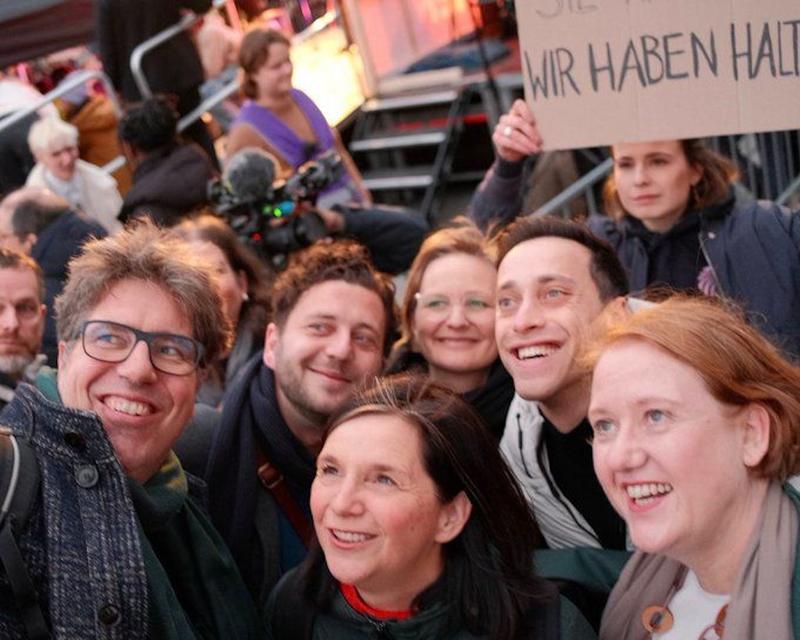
{"x":769,"y":166}
{"x":146,"y":46}
{"x":74,"y":81}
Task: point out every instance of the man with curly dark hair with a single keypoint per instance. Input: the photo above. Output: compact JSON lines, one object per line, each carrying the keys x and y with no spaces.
{"x":169,"y":176}
{"x":333,"y":319}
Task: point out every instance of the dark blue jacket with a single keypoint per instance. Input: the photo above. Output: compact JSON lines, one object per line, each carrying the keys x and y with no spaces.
{"x":55,"y":246}
{"x":81,"y":546}
{"x":754,"y":251}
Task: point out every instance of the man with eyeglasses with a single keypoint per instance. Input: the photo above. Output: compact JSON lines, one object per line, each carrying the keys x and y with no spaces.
{"x":117,"y":545}
{"x":22,"y":315}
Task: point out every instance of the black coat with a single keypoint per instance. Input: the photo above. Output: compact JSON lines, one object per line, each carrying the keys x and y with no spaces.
{"x":754,"y":250}
{"x":173,"y":67}
{"x":168,"y":184}
{"x":55,"y":246}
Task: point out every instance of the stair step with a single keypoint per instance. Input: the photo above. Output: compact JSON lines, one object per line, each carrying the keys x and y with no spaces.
{"x":409,"y":101}
{"x":418,"y":177}
{"x":431,"y":137}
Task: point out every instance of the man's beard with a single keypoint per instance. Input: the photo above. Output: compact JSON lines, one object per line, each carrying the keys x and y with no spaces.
{"x":303,"y":404}
{"x":14,"y":365}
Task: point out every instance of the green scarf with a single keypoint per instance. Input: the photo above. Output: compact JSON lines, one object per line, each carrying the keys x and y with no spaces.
{"x":195,"y":588}
{"x":195,"y":591}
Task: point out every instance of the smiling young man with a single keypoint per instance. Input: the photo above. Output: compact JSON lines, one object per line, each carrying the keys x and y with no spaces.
{"x":332,"y":321}
{"x":555,"y":280}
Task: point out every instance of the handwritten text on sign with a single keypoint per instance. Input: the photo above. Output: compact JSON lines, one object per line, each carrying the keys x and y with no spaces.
{"x":603,"y":71}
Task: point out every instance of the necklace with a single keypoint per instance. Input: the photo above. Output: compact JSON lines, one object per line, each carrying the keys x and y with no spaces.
{"x":657,"y":618}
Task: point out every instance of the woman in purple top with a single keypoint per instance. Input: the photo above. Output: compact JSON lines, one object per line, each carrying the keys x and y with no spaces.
{"x":283,"y":120}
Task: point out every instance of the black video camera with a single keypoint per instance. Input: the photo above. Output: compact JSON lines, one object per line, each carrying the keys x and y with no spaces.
{"x":274,"y":218}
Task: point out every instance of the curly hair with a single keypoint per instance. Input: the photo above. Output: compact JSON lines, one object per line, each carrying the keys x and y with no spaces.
{"x":344,"y":260}
{"x":150,"y":125}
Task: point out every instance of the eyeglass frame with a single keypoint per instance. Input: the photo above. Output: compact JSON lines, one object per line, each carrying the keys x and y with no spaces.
{"x":147,"y":337}
{"x":419,"y":307}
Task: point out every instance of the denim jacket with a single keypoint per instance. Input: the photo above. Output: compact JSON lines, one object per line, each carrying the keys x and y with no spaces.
{"x":81,"y":545}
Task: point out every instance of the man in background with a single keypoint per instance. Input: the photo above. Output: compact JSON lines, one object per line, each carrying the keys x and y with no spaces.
{"x":22,"y":317}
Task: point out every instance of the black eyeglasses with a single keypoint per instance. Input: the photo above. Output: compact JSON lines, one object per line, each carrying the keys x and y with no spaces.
{"x":114,"y":342}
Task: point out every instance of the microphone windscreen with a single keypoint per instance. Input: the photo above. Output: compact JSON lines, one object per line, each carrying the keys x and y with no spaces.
{"x":249,"y":175}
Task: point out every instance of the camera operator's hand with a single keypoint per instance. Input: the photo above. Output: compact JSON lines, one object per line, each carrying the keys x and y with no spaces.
{"x":516,"y":135}
{"x":334,"y":222}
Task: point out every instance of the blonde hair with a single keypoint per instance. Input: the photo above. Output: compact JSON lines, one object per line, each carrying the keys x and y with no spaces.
{"x":51,"y":134}
{"x":463,"y":237}
{"x":737,"y":363}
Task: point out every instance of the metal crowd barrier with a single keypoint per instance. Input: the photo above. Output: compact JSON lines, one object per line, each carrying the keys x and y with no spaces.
{"x":75,"y":80}
{"x":769,"y":165}
{"x":146,"y":46}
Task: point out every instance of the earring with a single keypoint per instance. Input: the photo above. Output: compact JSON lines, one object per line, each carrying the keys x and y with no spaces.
{"x":245,"y":297}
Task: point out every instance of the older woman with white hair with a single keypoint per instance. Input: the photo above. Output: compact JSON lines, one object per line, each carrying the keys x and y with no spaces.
{"x":54,"y":144}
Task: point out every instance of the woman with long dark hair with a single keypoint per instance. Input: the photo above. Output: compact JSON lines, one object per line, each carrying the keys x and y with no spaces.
{"x":422,"y":530}
{"x":244,"y":284}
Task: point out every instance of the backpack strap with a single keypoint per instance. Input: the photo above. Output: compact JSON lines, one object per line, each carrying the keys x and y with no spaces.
{"x":19,"y":486}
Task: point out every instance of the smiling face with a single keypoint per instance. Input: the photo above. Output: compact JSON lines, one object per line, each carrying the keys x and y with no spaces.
{"x":376,"y":511}
{"x":546,"y":304}
{"x":456,"y":339}
{"x":653,"y":181}
{"x":22,"y":317}
{"x":274,"y":77}
{"x":60,"y":162}
{"x":673,"y":460}
{"x":331,"y":342}
{"x":142,"y":409}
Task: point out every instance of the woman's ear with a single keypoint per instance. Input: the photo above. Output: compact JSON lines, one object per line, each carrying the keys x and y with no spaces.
{"x":755,"y":442}
{"x":697,"y":174}
{"x":453,"y":518}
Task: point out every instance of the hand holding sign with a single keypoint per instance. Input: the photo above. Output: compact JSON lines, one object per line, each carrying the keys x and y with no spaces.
{"x":516,"y":135}
{"x":604,"y":71}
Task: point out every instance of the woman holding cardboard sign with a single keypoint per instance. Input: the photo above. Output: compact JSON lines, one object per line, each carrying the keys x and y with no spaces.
{"x":673,"y":220}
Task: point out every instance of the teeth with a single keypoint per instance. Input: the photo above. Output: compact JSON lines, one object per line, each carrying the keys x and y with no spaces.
{"x":349,"y":536}
{"x":645,"y":492}
{"x":537,"y":351}
{"x":128,"y":406}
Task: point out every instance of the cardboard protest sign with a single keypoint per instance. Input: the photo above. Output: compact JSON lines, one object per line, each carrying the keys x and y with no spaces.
{"x":603,"y":71}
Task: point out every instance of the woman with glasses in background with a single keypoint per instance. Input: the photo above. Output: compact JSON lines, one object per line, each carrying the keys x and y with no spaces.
{"x":117,"y":544}
{"x":284,"y":121}
{"x":447,"y":322}
{"x":696,"y":421}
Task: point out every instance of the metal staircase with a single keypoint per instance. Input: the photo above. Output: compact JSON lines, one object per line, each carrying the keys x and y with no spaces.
{"x":407,"y":144}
